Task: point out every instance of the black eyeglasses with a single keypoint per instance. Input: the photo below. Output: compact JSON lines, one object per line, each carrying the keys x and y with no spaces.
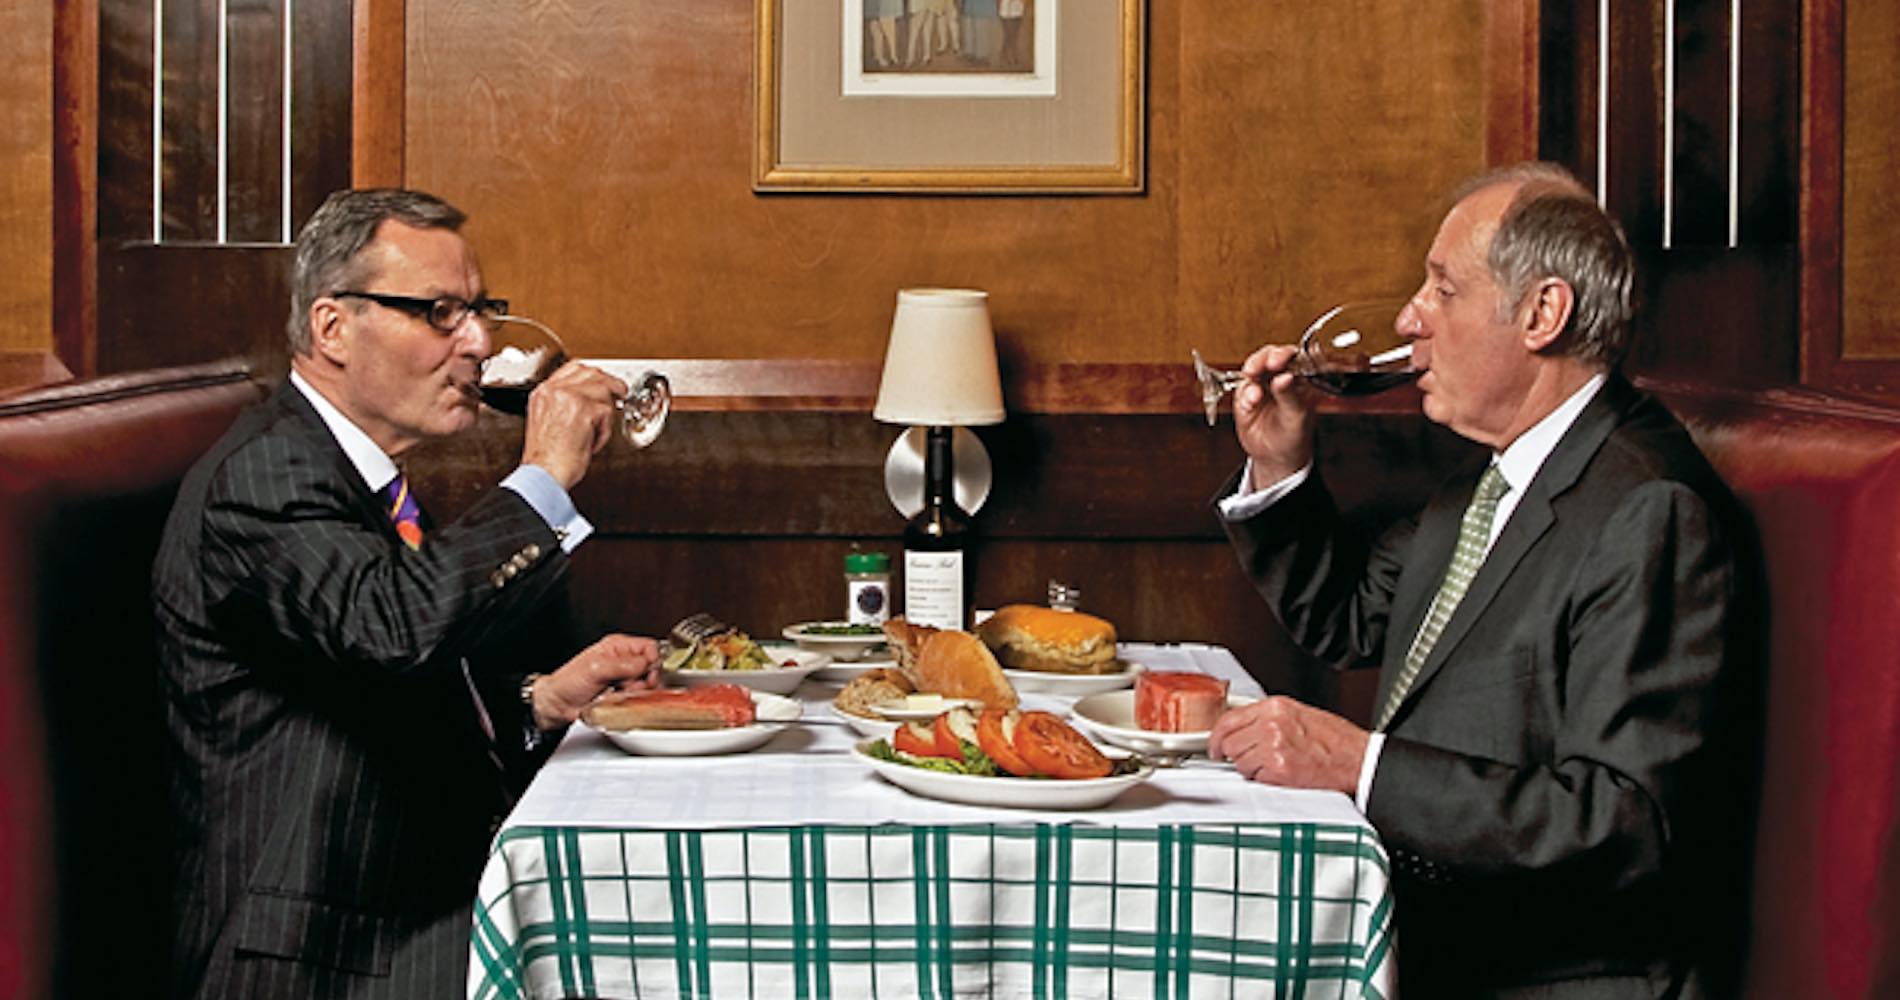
{"x":446,"y":313}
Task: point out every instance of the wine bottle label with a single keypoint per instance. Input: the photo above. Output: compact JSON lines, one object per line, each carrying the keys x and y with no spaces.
{"x":933,"y":589}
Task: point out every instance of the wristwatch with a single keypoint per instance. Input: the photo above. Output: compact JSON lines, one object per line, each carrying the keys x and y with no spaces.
{"x":527,"y":693}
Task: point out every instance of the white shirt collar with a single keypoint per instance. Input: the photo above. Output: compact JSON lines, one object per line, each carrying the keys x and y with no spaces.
{"x":1527,"y":454}
{"x":376,"y":468}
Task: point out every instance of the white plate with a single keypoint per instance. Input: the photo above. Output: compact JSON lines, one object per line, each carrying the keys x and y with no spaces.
{"x":774,"y":711}
{"x":775,"y":680}
{"x":847,"y":672}
{"x":1071,"y":685}
{"x":841,"y":648}
{"x":902,"y":711}
{"x":1111,"y":716}
{"x":871,"y":729}
{"x":1016,"y":793}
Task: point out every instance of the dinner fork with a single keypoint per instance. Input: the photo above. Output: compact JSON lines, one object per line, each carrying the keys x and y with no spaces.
{"x":694,"y":629}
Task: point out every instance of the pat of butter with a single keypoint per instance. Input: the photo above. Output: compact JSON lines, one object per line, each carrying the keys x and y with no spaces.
{"x":924,"y":702}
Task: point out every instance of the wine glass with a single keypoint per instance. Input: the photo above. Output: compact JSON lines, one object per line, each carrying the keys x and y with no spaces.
{"x":1353,"y":349}
{"x":524,"y":352}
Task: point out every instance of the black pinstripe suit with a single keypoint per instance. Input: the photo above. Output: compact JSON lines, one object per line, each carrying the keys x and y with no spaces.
{"x":333,"y":785}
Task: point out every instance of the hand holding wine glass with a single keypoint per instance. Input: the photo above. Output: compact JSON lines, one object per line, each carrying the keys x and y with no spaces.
{"x":572,"y":409}
{"x":1350,"y":350}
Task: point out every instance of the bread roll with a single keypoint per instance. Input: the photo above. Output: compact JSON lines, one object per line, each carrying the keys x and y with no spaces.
{"x":870,"y":688}
{"x":1027,"y":637}
{"x":906,"y":641}
{"x":958,"y":665}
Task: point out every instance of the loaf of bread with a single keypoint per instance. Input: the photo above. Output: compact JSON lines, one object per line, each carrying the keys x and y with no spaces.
{"x":958,"y":665}
{"x":871,"y":687}
{"x":709,"y":706}
{"x":1028,"y":637}
{"x":906,"y":641}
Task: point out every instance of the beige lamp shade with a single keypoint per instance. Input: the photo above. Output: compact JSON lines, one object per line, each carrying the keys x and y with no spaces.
{"x":940,"y":368}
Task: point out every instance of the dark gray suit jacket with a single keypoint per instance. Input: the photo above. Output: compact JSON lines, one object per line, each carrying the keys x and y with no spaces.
{"x":334,"y":788}
{"x":1564,"y":787}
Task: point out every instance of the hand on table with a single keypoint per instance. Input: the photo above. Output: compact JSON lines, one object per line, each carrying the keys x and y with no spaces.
{"x":1280,"y":741}
{"x":617,"y":661}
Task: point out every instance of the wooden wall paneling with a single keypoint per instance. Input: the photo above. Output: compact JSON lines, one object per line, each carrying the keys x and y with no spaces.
{"x":26,"y":183}
{"x":1721,"y":312}
{"x":323,"y":136}
{"x":170,"y":305}
{"x":1701,"y":146}
{"x":1513,"y":31}
{"x":124,"y":200}
{"x":189,"y":298}
{"x":254,"y":121}
{"x":189,"y":149}
{"x":1843,"y":97}
{"x":378,"y":47}
{"x":75,"y":185}
{"x":604,"y":153}
{"x":1870,"y":206}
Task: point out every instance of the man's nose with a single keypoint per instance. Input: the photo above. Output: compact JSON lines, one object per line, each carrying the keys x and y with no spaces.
{"x":474,"y":334}
{"x":1410,"y":323}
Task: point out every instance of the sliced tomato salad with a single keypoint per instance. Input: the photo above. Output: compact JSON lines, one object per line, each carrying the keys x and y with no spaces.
{"x":995,"y":731}
{"x":1054,"y":748}
{"x":1019,"y":744}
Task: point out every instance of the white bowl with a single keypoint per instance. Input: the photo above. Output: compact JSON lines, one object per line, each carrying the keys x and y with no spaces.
{"x":773,"y":680}
{"x":1111,"y":716}
{"x":841,"y":648}
{"x":1071,"y":685}
{"x":774,"y":712}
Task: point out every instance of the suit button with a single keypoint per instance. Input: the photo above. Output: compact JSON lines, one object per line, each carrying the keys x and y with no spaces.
{"x":498,"y":579}
{"x":533,"y":551}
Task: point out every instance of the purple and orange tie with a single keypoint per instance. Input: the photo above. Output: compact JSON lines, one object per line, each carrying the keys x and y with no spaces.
{"x":403,"y":511}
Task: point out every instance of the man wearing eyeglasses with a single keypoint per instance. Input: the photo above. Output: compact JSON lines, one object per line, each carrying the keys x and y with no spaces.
{"x":356,"y":694}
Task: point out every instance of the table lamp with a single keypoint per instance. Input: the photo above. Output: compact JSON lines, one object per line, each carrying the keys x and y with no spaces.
{"x":939,"y":374}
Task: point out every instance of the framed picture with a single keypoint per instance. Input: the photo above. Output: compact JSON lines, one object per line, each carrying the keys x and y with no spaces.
{"x":939,"y":96}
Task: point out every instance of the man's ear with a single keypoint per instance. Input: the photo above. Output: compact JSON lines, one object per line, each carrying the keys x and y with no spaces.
{"x":329,"y":324}
{"x":1547,"y":313}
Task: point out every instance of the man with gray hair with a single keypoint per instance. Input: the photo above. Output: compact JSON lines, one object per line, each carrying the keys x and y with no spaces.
{"x":355,"y":694}
{"x":1558,"y":759}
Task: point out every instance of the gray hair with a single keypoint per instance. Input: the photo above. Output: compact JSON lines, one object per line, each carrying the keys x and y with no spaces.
{"x":328,"y":244}
{"x":1554,"y":228}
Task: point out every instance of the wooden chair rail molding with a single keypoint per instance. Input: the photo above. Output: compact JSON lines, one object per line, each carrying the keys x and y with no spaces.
{"x":850,"y":385}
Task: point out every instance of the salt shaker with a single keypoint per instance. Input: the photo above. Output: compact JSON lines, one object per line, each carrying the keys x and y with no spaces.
{"x":1063,"y":597}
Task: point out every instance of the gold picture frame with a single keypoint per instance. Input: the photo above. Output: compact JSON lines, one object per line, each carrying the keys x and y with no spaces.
{"x":839,"y":110}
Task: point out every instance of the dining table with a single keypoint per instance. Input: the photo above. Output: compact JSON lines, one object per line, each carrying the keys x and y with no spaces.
{"x":795,"y":870}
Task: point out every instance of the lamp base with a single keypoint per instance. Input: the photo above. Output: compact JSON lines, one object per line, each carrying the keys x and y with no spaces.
{"x":904,"y":471}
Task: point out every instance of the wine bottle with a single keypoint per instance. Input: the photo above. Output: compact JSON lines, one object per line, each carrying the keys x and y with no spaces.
{"x":937,"y":576}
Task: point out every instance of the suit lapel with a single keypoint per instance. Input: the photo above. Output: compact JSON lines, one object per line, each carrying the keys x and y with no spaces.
{"x":1534,"y":516}
{"x":313,"y":431}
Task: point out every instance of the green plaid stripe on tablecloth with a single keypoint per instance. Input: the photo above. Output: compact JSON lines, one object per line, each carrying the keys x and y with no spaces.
{"x":988,"y":910}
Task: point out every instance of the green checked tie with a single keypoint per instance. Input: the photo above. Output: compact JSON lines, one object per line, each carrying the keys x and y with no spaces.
{"x":1473,"y":532}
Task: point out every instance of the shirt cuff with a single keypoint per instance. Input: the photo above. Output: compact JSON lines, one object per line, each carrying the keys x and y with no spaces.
{"x":549,"y":500}
{"x":1363,"y":794}
{"x":1243,"y":505}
